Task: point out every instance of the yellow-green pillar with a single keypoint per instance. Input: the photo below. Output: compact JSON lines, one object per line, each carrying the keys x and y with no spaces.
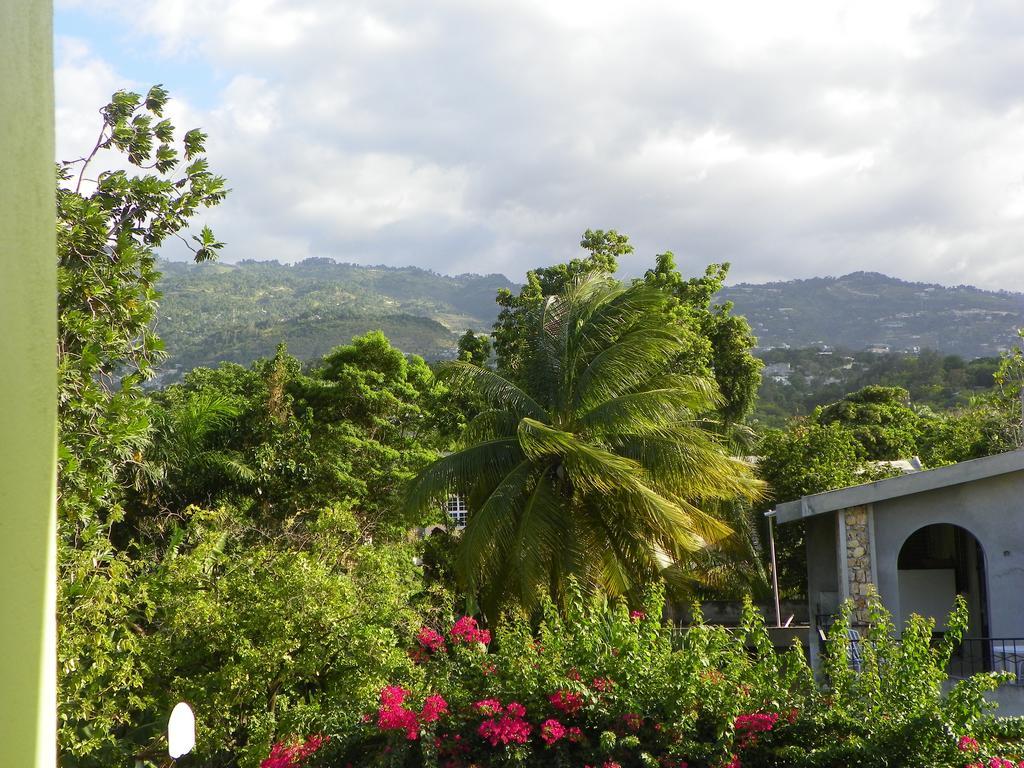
{"x":28,"y":388}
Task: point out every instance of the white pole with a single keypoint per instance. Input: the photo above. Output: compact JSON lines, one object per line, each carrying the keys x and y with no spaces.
{"x":770,"y":514}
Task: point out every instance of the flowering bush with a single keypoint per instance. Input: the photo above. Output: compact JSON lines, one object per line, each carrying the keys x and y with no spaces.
{"x":294,"y":755}
{"x":600,"y":687}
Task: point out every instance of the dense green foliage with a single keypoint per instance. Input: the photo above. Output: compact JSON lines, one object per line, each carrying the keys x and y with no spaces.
{"x":240,"y":539}
{"x":596,"y":685}
{"x":880,"y":419}
{"x":214,"y":538}
{"x":107,"y":227}
{"x":592,"y":460}
{"x":713,"y":342}
{"x":817,"y":378}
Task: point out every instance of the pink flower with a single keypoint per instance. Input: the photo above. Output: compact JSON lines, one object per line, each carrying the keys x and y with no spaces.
{"x":293,"y":755}
{"x":551,"y":731}
{"x":632,"y":721}
{"x":566,"y":701}
{"x":758,"y":722}
{"x":504,"y":730}
{"x":466,"y":630}
{"x":574,"y":734}
{"x":393,"y":716}
{"x":433,"y":707}
{"x":602,"y":684}
{"x":393,"y":695}
{"x":749,"y":726}
{"x":515,"y":709}
{"x":637,"y":615}
{"x":967,"y":744}
{"x":488,"y":707}
{"x":431,"y":639}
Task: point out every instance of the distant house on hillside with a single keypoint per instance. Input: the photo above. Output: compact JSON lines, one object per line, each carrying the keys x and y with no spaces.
{"x":877,"y":349}
{"x":921,"y":539}
{"x":778,"y":372}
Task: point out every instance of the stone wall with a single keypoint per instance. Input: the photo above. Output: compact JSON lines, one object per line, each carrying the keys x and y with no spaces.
{"x":858,"y":559}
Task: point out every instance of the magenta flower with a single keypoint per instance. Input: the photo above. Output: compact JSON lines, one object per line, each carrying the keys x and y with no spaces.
{"x":467,"y":631}
{"x":566,"y":701}
{"x":433,"y":707}
{"x":551,"y":731}
{"x":431,"y":639}
{"x":967,"y":744}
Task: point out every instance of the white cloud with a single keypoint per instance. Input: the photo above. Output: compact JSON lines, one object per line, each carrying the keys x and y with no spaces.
{"x":83,"y":83}
{"x":793,"y":138}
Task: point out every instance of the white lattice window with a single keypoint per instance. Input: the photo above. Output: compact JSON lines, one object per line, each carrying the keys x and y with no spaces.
{"x":455,"y":506}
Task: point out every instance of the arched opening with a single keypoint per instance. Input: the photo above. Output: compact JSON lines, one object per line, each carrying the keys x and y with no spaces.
{"x":937,"y":563}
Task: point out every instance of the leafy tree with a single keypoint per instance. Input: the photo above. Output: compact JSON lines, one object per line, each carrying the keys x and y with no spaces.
{"x":270,"y":635}
{"x":715,"y":343}
{"x":989,"y":424}
{"x":1009,"y":395}
{"x":880,"y":419}
{"x":604,"y":248}
{"x":596,"y":465}
{"x":108,"y":225}
{"x":808,"y":458}
{"x":279,"y":442}
{"x":721,"y":342}
{"x":474,"y":348}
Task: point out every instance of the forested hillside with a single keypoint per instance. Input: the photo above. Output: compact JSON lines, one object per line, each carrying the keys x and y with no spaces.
{"x":867,"y":308}
{"x":795,"y":381}
{"x":239,"y":313}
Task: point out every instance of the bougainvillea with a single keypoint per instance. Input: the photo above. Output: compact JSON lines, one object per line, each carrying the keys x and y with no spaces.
{"x":293,"y":755}
{"x":566,"y":701}
{"x":506,"y":727}
{"x":431,"y":639}
{"x":711,"y":698}
{"x":551,"y":731}
{"x":466,"y":630}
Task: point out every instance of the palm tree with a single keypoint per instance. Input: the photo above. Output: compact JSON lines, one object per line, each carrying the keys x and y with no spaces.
{"x":592,"y":460}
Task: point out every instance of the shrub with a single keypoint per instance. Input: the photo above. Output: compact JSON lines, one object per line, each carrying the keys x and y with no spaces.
{"x":603,"y":687}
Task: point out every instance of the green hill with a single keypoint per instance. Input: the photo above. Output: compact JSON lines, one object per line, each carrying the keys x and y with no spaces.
{"x":215,"y":312}
{"x":866,"y":308}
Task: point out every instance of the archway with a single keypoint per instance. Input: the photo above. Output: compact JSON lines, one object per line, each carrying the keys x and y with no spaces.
{"x":936,"y":563}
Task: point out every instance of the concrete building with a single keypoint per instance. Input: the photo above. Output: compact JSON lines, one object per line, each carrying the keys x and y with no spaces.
{"x":921,"y":539}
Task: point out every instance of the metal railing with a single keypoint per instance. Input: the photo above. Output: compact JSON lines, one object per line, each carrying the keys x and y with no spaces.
{"x":989,"y":654}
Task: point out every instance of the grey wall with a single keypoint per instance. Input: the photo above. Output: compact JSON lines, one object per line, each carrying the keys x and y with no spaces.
{"x":822,"y":574}
{"x":992,"y":510}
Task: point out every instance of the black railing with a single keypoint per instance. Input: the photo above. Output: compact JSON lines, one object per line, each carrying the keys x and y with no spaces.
{"x":973,"y":655}
{"x":989,"y":654}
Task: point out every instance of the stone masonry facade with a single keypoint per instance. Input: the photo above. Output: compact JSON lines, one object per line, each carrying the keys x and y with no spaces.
{"x":858,"y":560}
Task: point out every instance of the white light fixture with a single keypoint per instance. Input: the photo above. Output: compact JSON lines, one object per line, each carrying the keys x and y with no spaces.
{"x":181,"y":731}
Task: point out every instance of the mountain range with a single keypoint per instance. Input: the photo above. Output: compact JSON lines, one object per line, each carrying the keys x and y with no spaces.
{"x":868,"y":309}
{"x":240,"y":312}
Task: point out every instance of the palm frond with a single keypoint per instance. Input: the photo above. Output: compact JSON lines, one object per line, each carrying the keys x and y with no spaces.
{"x":493,"y":387}
{"x":634,"y":359}
{"x":488,"y":536}
{"x":459,"y":472}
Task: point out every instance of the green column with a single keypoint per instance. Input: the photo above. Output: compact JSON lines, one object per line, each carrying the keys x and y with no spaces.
{"x":28,"y":388}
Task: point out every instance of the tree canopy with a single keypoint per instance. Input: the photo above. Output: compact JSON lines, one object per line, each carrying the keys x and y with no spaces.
{"x":714,"y":342}
{"x":594,"y":461}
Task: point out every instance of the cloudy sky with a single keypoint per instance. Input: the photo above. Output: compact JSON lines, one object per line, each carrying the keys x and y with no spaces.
{"x":792,"y":139}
